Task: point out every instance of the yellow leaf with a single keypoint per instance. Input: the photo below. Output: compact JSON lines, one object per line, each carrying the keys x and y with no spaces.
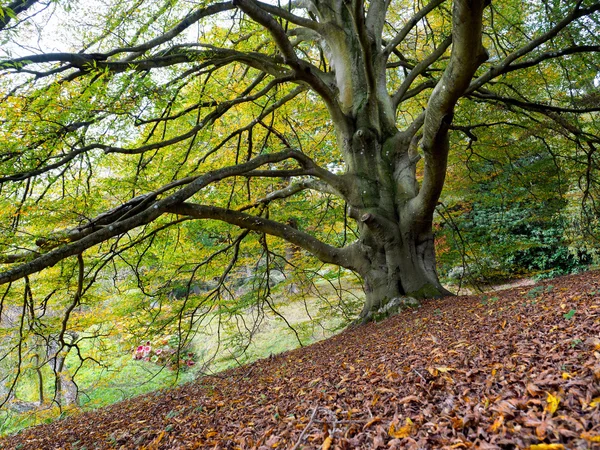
{"x":401,"y":432}
{"x":497,"y":424}
{"x":547,"y":447}
{"x":327,"y":443}
{"x":445,"y":369}
{"x":371,"y":422}
{"x":552,"y":405}
{"x":154,"y":444}
{"x":595,"y":402}
{"x":375,"y":400}
{"x":566,"y":376}
{"x":590,"y":437}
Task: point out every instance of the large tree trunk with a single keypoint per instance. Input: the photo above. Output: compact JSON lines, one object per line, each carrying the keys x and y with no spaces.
{"x":392,"y":207}
{"x":395,"y":229}
{"x":405,"y":268}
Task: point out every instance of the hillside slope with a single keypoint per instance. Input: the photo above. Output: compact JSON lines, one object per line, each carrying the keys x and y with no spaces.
{"x":519,"y":368}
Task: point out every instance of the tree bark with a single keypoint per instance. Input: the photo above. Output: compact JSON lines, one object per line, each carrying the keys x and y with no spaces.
{"x":396,"y":237}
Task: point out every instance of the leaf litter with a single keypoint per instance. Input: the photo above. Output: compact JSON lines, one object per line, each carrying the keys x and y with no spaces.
{"x":457,"y":373}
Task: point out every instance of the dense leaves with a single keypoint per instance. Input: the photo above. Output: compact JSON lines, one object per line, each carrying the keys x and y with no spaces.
{"x":516,"y":368}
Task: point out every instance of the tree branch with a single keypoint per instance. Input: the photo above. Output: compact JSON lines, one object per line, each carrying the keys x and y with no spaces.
{"x":16,"y":8}
{"x":151,"y":212}
{"x":486,"y":95}
{"x":176,"y":30}
{"x":467,"y":55}
{"x":287,"y":15}
{"x":419,"y":69}
{"x":324,"y":252}
{"x":389,"y":48}
{"x":505,"y":65}
{"x":552,"y":55}
{"x":291,"y":190}
{"x":304,"y":70}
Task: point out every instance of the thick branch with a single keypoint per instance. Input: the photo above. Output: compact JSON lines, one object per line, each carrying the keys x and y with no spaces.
{"x":16,"y":8}
{"x":324,"y":252}
{"x":181,"y":54}
{"x":467,"y":54}
{"x":151,"y":212}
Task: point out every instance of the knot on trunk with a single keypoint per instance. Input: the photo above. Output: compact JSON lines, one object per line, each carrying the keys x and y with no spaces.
{"x":367,"y":218}
{"x":365,"y":135}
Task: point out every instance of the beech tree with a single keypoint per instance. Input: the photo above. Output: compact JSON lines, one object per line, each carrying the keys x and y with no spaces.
{"x":155,"y":114}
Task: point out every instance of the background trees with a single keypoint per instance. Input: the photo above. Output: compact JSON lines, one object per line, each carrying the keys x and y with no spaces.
{"x":172,"y":151}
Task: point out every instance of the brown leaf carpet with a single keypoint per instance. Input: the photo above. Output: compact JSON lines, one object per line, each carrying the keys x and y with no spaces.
{"x":514,"y":369}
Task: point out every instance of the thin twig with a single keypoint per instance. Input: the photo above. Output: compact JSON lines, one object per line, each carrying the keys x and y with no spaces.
{"x":422,"y":377}
{"x":310,"y":422}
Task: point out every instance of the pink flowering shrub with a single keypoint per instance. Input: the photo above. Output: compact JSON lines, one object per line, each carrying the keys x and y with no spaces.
{"x":165,"y":354}
{"x":143,"y":352}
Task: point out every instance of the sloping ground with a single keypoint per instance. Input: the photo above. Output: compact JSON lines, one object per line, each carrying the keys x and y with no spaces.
{"x":516,"y":369}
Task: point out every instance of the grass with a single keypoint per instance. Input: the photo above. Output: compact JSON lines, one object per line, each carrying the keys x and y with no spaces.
{"x":289,"y":322}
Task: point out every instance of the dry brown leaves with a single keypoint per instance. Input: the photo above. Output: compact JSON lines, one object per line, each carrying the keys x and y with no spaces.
{"x":518,"y":370}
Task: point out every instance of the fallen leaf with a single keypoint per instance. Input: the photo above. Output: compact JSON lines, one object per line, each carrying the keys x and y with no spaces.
{"x":327,"y":443}
{"x":552,"y":404}
{"x":497,"y":424}
{"x":547,"y":447}
{"x":154,"y":444}
{"x":534,"y":389}
{"x":402,"y":432}
{"x":590,"y":437}
{"x":595,"y":402}
{"x":371,"y":422}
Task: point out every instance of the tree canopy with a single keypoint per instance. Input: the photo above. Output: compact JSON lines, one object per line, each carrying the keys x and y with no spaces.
{"x":164,"y":147}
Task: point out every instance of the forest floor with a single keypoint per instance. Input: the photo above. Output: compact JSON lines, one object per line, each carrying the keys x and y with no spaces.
{"x":519,"y":368}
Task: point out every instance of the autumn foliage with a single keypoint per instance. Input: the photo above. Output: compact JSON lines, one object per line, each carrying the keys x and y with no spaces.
{"x":513,"y":369}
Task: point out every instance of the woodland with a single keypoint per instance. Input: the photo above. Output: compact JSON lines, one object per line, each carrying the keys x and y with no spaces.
{"x":187,"y":186}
